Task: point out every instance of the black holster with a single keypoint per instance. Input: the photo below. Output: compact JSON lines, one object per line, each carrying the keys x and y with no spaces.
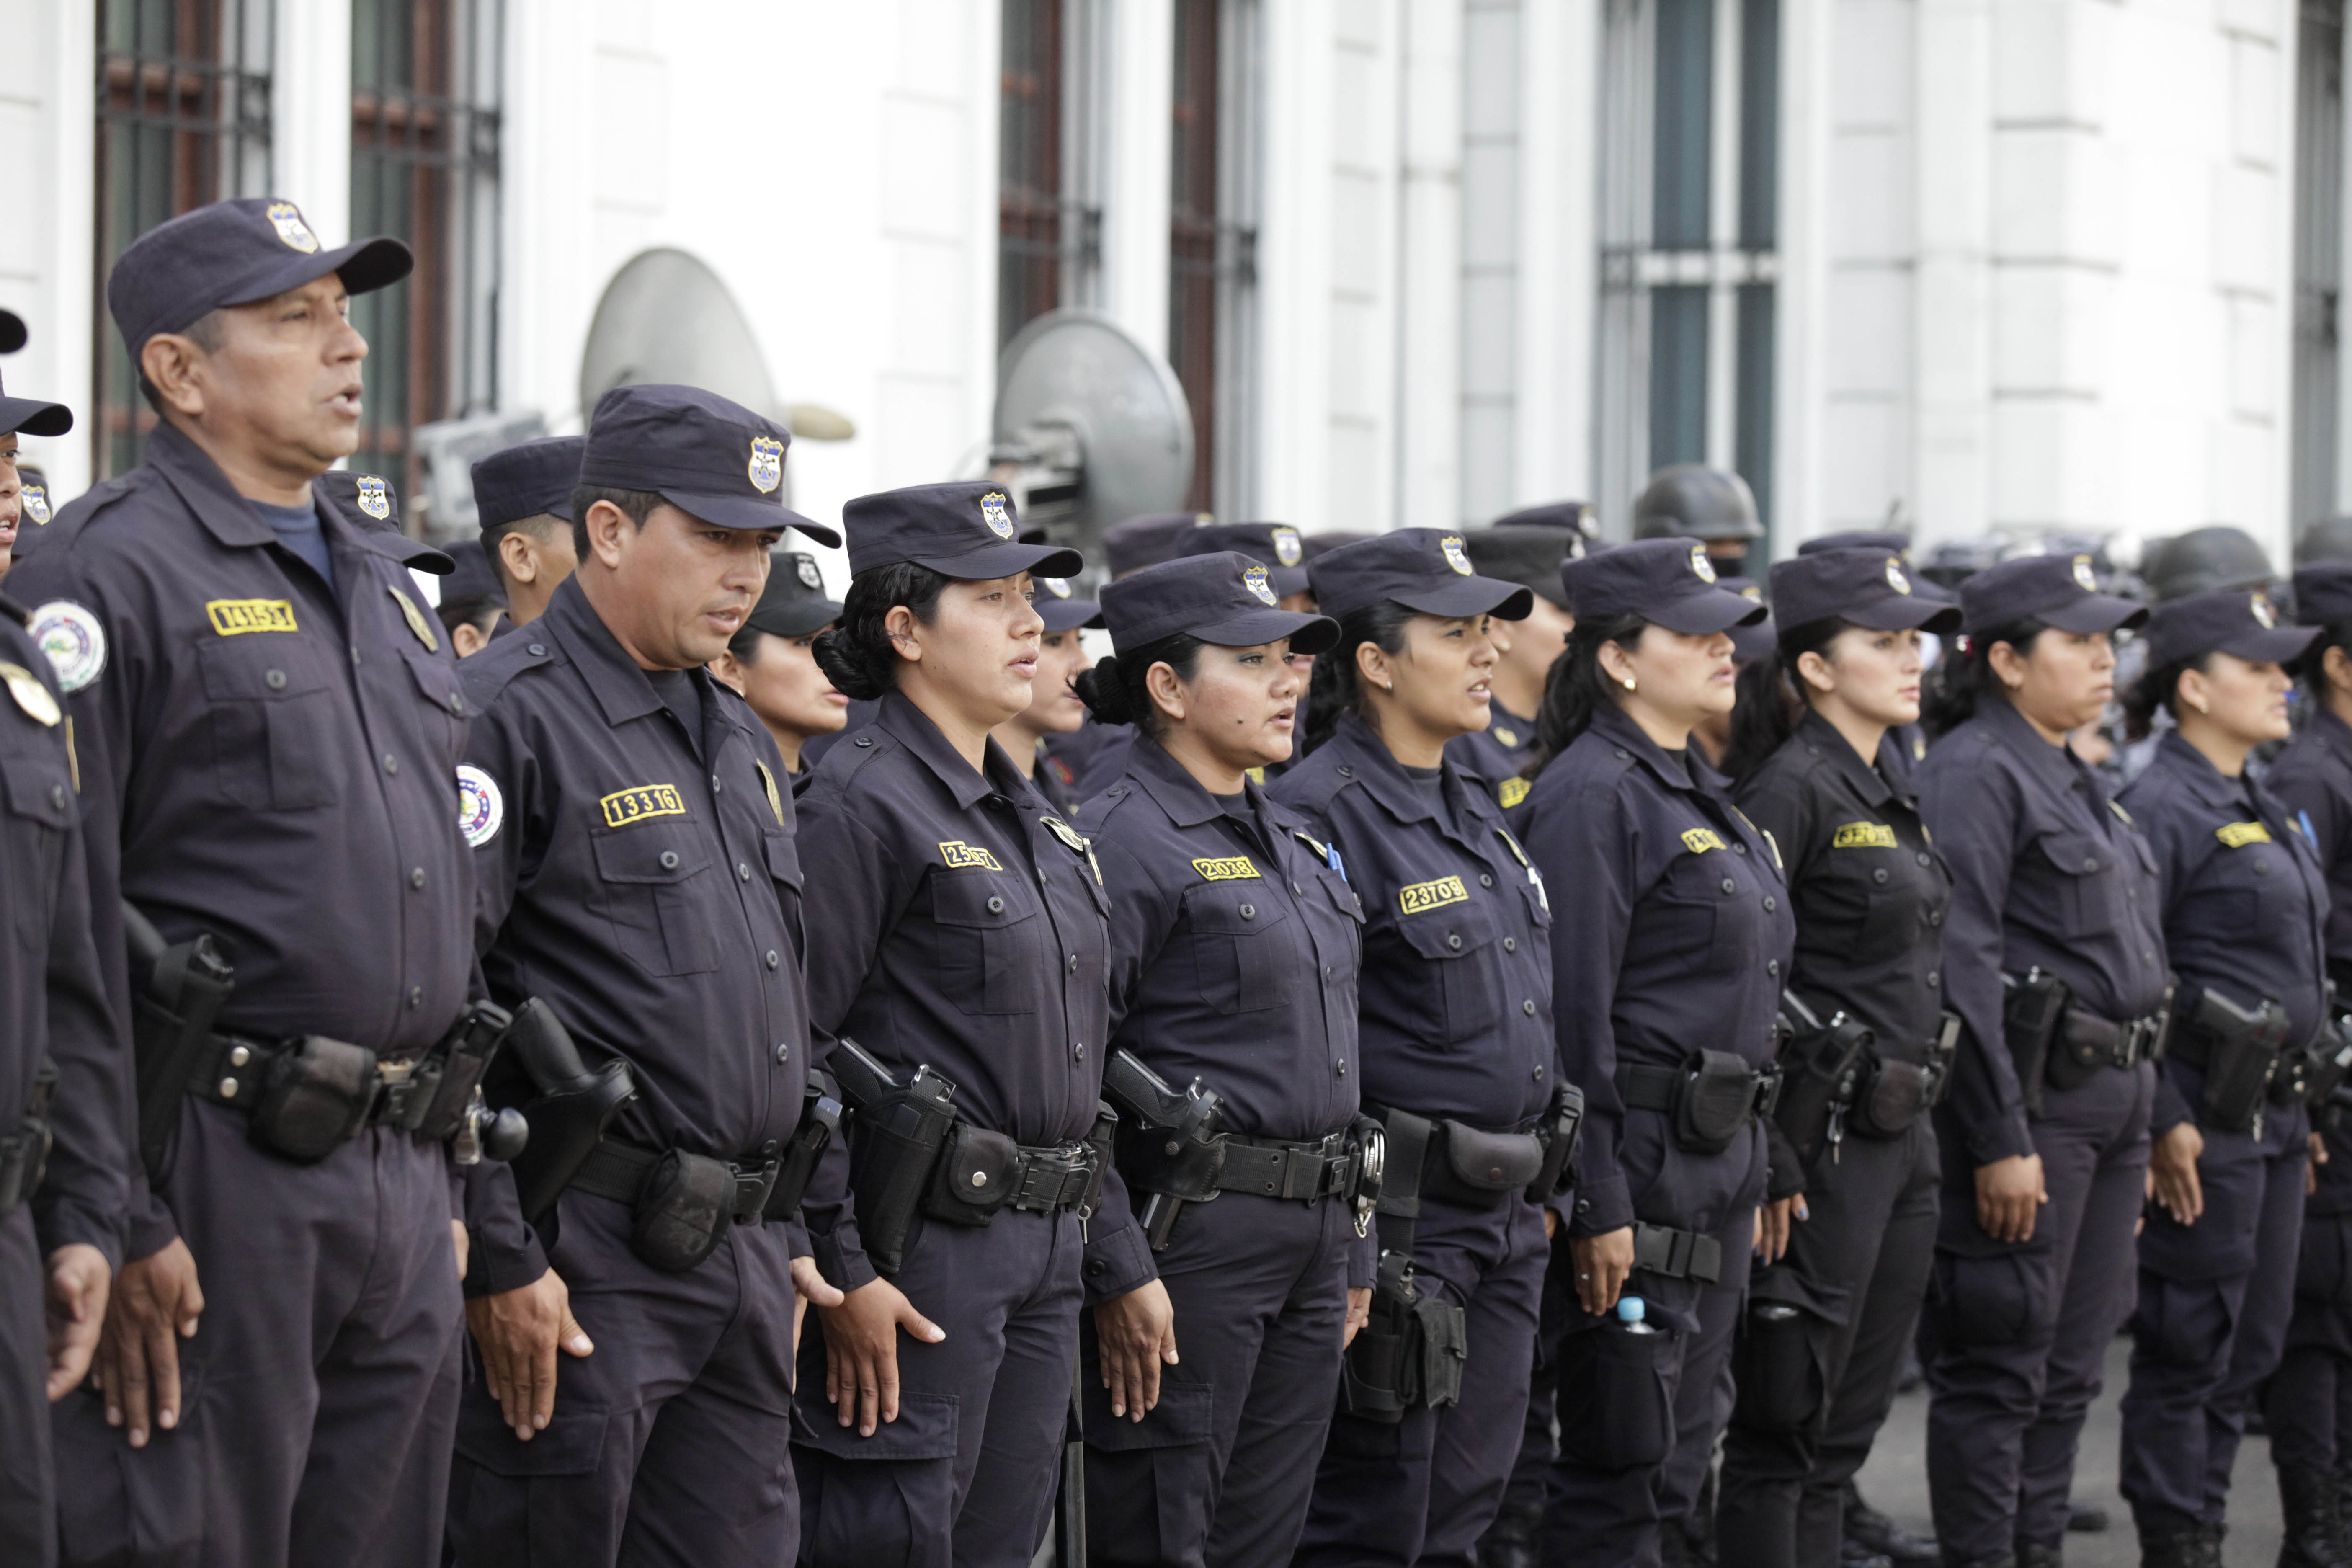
{"x":1168,"y":1144}
{"x":2032,"y":1009}
{"x":25,"y":1153}
{"x":569,"y":1107}
{"x":1818,"y":1064}
{"x":1719,"y":1093}
{"x":2242,"y":1051}
{"x":1409,"y":1355}
{"x":1888,"y":1096}
{"x":898,"y":1137}
{"x":176,"y":993}
{"x":1562,"y":1127}
{"x":316,"y":1094}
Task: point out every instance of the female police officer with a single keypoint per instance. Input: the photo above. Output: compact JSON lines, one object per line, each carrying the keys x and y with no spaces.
{"x":1668,"y":960}
{"x":956,"y":974}
{"x":771,"y":661}
{"x":1054,"y":706}
{"x":2054,"y":961}
{"x":1827,"y":1326}
{"x":1457,"y":1055}
{"x":2244,"y":909}
{"x":1234,"y":950}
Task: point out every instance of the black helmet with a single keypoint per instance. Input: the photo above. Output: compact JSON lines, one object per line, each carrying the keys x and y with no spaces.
{"x":2329,"y":538}
{"x":1691,"y":500}
{"x":1955,"y":561}
{"x":2204,"y":561}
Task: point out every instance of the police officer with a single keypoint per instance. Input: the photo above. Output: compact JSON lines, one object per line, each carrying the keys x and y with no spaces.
{"x":1669,"y":961}
{"x":1457,"y":1058}
{"x":1827,"y":1325}
{"x":62,"y":1078}
{"x":958,"y":977}
{"x":265,"y":722}
{"x":771,"y":661}
{"x":1531,"y":556}
{"x":29,"y":416}
{"x":634,"y":850}
{"x":1234,"y":951}
{"x":2054,"y":961}
{"x":522,"y":499}
{"x":1054,"y":708}
{"x":473,"y":608}
{"x":2204,"y":561}
{"x":2245,"y":903}
{"x":1714,"y":506}
{"x":1127,"y":546}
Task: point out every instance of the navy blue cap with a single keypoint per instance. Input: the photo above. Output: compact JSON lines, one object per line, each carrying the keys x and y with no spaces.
{"x":1574,"y":516}
{"x":793,"y":603}
{"x":367,"y":501}
{"x":1885,"y":541}
{"x":535,"y":477}
{"x":2061,"y":591}
{"x":33,"y":501}
{"x":1751,"y":640}
{"x":1867,"y":586}
{"x":1321,"y":544}
{"x":1275,"y":544}
{"x":474,"y":578}
{"x":2322,"y":591}
{"x":713,"y":459}
{"x":965,"y":530}
{"x":1423,"y":569}
{"x":1148,"y":540}
{"x":1061,"y":609}
{"x":233,"y":253}
{"x":1528,"y":556}
{"x":2236,"y":621}
{"x":32,"y":417}
{"x":1227,"y":598}
{"x":1669,"y":581}
{"x":12,"y":331}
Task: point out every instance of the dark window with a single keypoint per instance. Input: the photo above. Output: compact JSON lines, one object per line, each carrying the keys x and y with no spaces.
{"x":1752,"y":412}
{"x":1759,"y":126}
{"x":1029,"y":174}
{"x":1686,"y":119}
{"x":1677,"y":376}
{"x":2318,"y":260}
{"x":1212,"y":241}
{"x":424,"y":167}
{"x":182,"y":119}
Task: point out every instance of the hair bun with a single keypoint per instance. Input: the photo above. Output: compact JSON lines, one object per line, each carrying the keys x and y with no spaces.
{"x":841,"y":666}
{"x":1100,"y":690}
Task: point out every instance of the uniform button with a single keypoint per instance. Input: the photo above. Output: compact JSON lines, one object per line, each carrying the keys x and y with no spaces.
{"x":1040,"y":876}
{"x":772,"y":959}
{"x":355,"y":653}
{"x":996,"y":906}
{"x":1484,"y":880}
{"x":1454,"y":941}
{"x":1729,"y":886}
{"x":1326,"y":972}
{"x":1935,"y":978}
{"x":275,"y":679}
{"x":863,"y":740}
{"x":669,"y":859}
{"x":1074,"y":963}
{"x":1528,"y":1007}
{"x":716,"y":787}
{"x":1925,"y":858}
{"x":238,"y":1055}
{"x":2090,"y":862}
{"x":1773,"y":968}
{"x":1770,"y":903}
{"x":416,"y":878}
{"x":1082,"y":1051}
{"x":1537,"y":1073}
{"x":1620,"y":753}
{"x":1510,"y":944}
{"x":1935,"y":916}
{"x":2146,"y":956}
{"x":743,"y":872}
{"x":391,"y":764}
{"x":2262,"y":869}
{"x":784,"y":1052}
{"x":1343,"y":1066}
{"x":58,"y":796}
{"x":538,"y":650}
{"x":416,"y":997}
{"x":1249,"y":911}
{"x":1879,"y":876}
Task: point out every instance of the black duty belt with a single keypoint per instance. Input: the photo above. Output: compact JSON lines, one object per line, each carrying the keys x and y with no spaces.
{"x":1677,"y":1254}
{"x":1303,"y":1173}
{"x":1644,"y":1086}
{"x":233,"y":1068}
{"x":1053,"y":1179}
{"x":2113,"y":1044}
{"x":618,"y":1168}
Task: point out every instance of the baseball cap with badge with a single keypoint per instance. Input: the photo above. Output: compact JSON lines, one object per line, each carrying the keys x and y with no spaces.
{"x":35,"y":505}
{"x":235,"y":253}
{"x":531,"y":479}
{"x":2322,"y":593}
{"x":32,"y":417}
{"x":713,"y":459}
{"x":2240,"y":622}
{"x":2061,"y":591}
{"x":1868,"y":587}
{"x":1423,"y":569}
{"x":1276,"y":545}
{"x":1751,"y":640}
{"x":1063,"y":611}
{"x":367,"y":499}
{"x":1224,"y":598}
{"x":965,"y":530}
{"x":1667,"y":582}
{"x":794,"y":604}
{"x":1148,"y":540}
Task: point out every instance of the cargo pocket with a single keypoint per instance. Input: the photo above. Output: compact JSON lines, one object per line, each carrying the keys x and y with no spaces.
{"x":648,"y":896}
{"x":883,"y":1501}
{"x":1237,"y":959}
{"x":2086,"y":871}
{"x":1999,"y":1299}
{"x":571,"y":1444}
{"x":1782,"y":1356}
{"x":1459,"y":966}
{"x":123,"y":1506}
{"x":271,"y":719}
{"x":41,"y":810}
{"x":1614,"y":1412}
{"x":2319,"y":1270}
{"x":2184,"y":1324}
{"x":988,"y":943}
{"x":1185,"y":1417}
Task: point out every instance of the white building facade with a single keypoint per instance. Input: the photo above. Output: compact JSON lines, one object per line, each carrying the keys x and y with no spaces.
{"x":1970,"y":266}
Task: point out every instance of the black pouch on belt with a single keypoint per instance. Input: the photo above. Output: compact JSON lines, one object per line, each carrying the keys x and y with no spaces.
{"x":1888,"y":1098}
{"x":1781,"y":1355}
{"x":2242,"y":1051}
{"x":685,"y":1206}
{"x":315,"y":1094}
{"x":1478,"y":1169}
{"x":1380,"y":1370}
{"x":973,"y":1177}
{"x":1817,"y":1066}
{"x":1718,"y":1089}
{"x":2030,"y":1013}
{"x":1445,"y":1346}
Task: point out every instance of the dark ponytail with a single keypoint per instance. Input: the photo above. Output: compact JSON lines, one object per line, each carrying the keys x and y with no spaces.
{"x":1578,"y":687}
{"x":1963,"y":679}
{"x":857,"y":654}
{"x":1773,"y":698}
{"x":1114,"y":689}
{"x":2158,"y":688}
{"x":1335,"y":687}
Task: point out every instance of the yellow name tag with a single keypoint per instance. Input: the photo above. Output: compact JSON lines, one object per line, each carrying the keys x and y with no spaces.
{"x":1512,"y":791}
{"x":623,"y":807}
{"x":2237,"y":835}
{"x":1699,"y":840}
{"x":1863,"y":836}
{"x":232,"y":617}
{"x":1421,"y":896}
{"x":1231,"y":868}
{"x":963,"y":857}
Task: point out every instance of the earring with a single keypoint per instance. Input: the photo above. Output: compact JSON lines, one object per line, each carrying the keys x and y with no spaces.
{"x":2203,"y":706}
{"x":1388,"y":686}
{"x":1628,"y":683}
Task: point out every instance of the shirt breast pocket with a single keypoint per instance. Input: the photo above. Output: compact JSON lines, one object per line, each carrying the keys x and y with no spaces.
{"x":444,"y":701}
{"x":41,"y":810}
{"x":2084,"y":873}
{"x":989,"y":949}
{"x":1237,"y":948}
{"x":269,"y":699}
{"x":648,"y":878}
{"x":2258,"y":892}
{"x":1460,"y":966}
{"x":1713,"y":914}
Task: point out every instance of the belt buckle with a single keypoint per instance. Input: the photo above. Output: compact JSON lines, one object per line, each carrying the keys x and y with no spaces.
{"x":756,"y":1185}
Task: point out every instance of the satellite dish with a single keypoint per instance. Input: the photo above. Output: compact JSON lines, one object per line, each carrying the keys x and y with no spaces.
{"x":1096,"y":423}
{"x":666,"y":316}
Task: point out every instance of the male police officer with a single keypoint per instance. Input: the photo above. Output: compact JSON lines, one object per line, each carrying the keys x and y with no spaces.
{"x":266,"y":724}
{"x":634,"y":843}
{"x":523,"y":498}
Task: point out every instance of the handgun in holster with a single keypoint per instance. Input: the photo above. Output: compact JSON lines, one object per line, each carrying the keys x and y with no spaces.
{"x":1562,"y":1127}
{"x":176,"y":993}
{"x":1410,"y":1352}
{"x":2241,"y":1052}
{"x":1168,"y":1144}
{"x":25,"y":1153}
{"x":2032,"y":1007}
{"x":1818,"y":1065}
{"x":568,"y":1106}
{"x":897,"y":1133}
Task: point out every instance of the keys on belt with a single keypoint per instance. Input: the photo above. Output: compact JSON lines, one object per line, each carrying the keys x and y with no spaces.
{"x":1052,"y":1179}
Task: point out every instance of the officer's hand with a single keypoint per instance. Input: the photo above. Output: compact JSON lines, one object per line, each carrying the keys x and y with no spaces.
{"x":73,"y":1302}
{"x":2009,"y":1194}
{"x":1551,"y":1223}
{"x":1134,"y":1333}
{"x":156,"y":1298}
{"x":2318,"y":1158}
{"x":861,"y":1352}
{"x":517,"y":1332}
{"x":1360,"y":1312}
{"x":464,"y":1244}
{"x":1602,"y":1264}
{"x":808,"y":1285}
{"x":2172,"y":1172}
{"x":1773,"y":1222}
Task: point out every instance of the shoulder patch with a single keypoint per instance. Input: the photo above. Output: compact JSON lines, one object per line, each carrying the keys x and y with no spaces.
{"x":638,"y":802}
{"x":1227,"y":868}
{"x":1417,"y":896}
{"x":1699,"y":840}
{"x":71,"y":635}
{"x":1863,"y":836}
{"x":968,"y":856}
{"x":2237,"y":835}
{"x":234,"y":617}
{"x":481,"y":809}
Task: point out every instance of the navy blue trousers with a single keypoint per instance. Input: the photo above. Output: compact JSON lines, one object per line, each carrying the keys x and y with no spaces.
{"x":28,"y":1474}
{"x":2309,"y":1403}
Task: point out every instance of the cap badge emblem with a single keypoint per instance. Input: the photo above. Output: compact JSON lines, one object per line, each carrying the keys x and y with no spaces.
{"x":374,"y":499}
{"x":1450,"y":547}
{"x":1287,"y":547}
{"x":993,"y":513}
{"x":36,"y":504}
{"x":2083,"y":577}
{"x":1057,"y":586}
{"x":1895,"y":578}
{"x":1254,"y":579}
{"x":2259,"y":603}
{"x":805,"y":569}
{"x":1752,"y":592}
{"x":1701,"y":568}
{"x":767,"y":468}
{"x":287,"y":219}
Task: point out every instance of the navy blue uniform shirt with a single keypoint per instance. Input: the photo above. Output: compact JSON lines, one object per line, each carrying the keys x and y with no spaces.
{"x":962,"y":925}
{"x":2048,"y":872}
{"x":1673,"y":936}
{"x":2312,"y":783}
{"x":643,"y":880}
{"x":261,"y":758}
{"x":2246,"y":901}
{"x":1234,"y":955}
{"x":1456,"y":988}
{"x":1497,"y":753}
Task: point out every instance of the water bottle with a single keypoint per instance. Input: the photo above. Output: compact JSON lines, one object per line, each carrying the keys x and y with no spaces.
{"x":1630,"y":1313}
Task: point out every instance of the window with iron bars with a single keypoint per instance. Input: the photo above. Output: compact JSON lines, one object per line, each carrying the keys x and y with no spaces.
{"x":183,"y":119}
{"x":424,"y":167}
{"x":1049,"y":158}
{"x":1212,"y":245}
